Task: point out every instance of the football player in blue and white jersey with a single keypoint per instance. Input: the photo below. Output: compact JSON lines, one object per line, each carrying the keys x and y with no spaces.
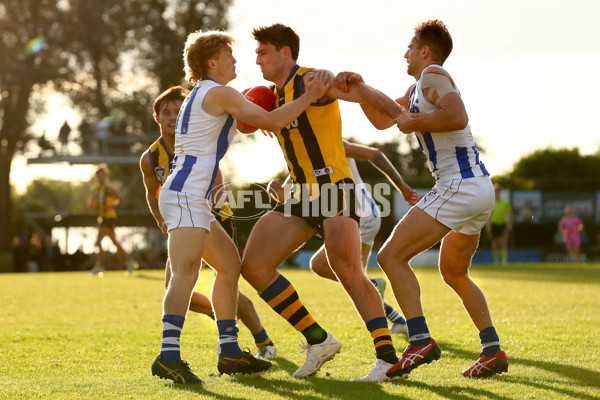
{"x":204,"y":129}
{"x":454,"y":211}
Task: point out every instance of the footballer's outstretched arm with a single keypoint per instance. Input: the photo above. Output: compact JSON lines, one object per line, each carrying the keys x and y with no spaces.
{"x":380,"y":161}
{"x":355,"y":90}
{"x":224,"y":99}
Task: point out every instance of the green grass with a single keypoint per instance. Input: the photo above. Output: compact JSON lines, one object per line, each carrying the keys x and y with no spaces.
{"x":72,"y":336}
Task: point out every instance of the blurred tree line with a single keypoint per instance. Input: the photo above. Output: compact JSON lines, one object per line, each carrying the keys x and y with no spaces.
{"x":111,"y":58}
{"x":554,"y":170}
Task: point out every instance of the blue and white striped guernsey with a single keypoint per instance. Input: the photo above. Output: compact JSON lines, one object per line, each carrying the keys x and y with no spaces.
{"x":450,"y":155}
{"x":201,"y":141}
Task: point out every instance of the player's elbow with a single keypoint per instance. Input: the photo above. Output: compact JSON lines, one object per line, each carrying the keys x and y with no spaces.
{"x":380,"y":126}
{"x":461,"y":121}
{"x":376,"y":154}
{"x":379,"y":121}
{"x":271,"y":127}
{"x":458,"y":123}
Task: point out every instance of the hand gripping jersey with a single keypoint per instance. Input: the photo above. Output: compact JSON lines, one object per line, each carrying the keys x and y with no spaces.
{"x":450,"y":154}
{"x":312,"y":143}
{"x":201,"y":141}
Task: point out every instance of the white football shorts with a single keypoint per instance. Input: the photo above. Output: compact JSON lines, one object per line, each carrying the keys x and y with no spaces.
{"x":463,"y":205}
{"x":369,"y":227}
{"x":184,"y":210}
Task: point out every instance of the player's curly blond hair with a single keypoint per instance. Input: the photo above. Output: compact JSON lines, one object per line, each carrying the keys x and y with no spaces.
{"x":199,"y":48}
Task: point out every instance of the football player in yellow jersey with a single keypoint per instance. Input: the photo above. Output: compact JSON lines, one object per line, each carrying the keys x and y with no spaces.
{"x":313,"y":148}
{"x":104,"y":198}
{"x":155,"y":164}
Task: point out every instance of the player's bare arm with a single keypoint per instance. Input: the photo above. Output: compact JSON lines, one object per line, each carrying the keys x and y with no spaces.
{"x":152,"y":186}
{"x":451,"y":115}
{"x":280,"y":191}
{"x":379,"y":109}
{"x":356,"y":91}
{"x":224,"y":99}
{"x":92,"y":201}
{"x":380,"y":161}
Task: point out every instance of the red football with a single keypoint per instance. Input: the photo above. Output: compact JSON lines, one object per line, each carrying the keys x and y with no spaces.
{"x":262,"y":96}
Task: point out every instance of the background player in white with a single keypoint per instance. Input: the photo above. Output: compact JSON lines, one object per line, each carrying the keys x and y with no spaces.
{"x":205,"y":127}
{"x":155,"y":165}
{"x":454,"y":211}
{"x":370,"y":218}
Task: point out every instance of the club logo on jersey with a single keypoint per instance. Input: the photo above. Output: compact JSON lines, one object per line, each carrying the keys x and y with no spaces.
{"x":161,"y":173}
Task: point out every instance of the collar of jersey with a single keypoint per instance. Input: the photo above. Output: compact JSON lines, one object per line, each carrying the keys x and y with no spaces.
{"x":291,"y":74}
{"x":162,"y":143}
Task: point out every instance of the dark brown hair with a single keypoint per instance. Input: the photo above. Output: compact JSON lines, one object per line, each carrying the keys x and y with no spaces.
{"x":279,"y":36}
{"x":433,"y":33}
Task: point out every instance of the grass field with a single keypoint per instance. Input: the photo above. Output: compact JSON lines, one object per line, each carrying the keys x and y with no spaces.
{"x":76,"y":336}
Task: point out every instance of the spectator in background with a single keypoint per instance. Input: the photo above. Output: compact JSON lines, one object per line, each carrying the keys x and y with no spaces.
{"x":571,"y":226}
{"x":46,"y":147}
{"x":35,"y":253}
{"x":87,"y":137}
{"x":500,"y":225}
{"x":63,"y":137}
{"x":20,"y":250}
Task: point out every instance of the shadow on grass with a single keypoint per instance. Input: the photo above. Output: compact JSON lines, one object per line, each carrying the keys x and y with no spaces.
{"x":324,"y":385}
{"x":327,"y":386}
{"x":578,"y":376}
{"x":342,"y":389}
{"x":149,"y":277}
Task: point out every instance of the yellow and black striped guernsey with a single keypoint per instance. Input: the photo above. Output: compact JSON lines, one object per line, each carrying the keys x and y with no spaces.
{"x":160,"y":159}
{"x":312,"y":144}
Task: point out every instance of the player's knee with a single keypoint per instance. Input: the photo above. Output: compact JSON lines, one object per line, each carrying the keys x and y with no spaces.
{"x":346,"y":270}
{"x":250,"y":271}
{"x":185,"y":267}
{"x":452,"y":277}
{"x":384,"y":258}
{"x":389,"y":257}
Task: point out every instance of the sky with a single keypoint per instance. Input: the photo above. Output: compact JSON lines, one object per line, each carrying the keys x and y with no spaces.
{"x":517,"y":63}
